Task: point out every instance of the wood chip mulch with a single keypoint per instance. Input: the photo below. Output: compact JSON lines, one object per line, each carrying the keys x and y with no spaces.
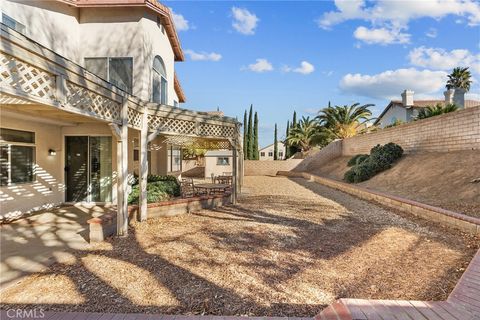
{"x":289,"y":248}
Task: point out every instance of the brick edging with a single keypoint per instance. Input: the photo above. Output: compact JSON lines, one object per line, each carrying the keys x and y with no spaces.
{"x":446,"y":217}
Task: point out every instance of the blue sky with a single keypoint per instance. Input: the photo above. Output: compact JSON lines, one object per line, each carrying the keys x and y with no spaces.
{"x":283,"y":56}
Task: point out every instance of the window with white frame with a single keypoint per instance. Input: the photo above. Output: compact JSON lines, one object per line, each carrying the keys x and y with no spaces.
{"x":262,"y":154}
{"x":223,"y":161}
{"x":14,"y":24}
{"x":118,"y":71}
{"x":270,"y":154}
{"x":159,"y":81}
{"x":174,"y":159}
{"x":17,"y":156}
{"x":280,"y":154}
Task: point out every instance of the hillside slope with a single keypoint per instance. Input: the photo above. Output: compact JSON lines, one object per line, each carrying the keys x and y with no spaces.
{"x":439,"y":179}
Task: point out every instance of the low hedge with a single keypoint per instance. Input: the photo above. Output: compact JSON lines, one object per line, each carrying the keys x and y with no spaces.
{"x":366,"y":166}
{"x":159,"y":188}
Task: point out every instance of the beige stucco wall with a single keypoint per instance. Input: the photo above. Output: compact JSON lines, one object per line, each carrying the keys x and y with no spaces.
{"x":99,"y":32}
{"x":52,"y":24}
{"x":211,"y":167}
{"x":49,"y":188}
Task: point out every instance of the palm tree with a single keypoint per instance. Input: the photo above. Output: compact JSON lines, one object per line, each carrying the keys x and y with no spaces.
{"x":438,"y":109}
{"x":459,"y":78}
{"x":345,"y":121}
{"x":306,"y":134}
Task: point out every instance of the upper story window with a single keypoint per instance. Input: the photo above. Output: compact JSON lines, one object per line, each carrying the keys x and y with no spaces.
{"x":159,"y":81}
{"x":12,"y":23}
{"x":118,"y":71}
{"x":17,"y":156}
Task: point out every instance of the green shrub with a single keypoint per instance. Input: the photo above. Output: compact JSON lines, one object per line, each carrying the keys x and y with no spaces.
{"x":354,"y":159}
{"x":153,"y":178}
{"x":381,"y":158}
{"x":156,"y":191}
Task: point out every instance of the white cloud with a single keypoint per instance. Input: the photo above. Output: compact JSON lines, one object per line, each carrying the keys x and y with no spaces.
{"x":389,"y":18}
{"x":203,"y":56}
{"x":390,"y":84}
{"x":244,"y":22}
{"x":181,"y":24}
{"x":440,"y":59}
{"x":261,"y":65}
{"x":305,"y":68}
{"x":400,"y":12}
{"x":431,"y":33}
{"x":381,"y":35}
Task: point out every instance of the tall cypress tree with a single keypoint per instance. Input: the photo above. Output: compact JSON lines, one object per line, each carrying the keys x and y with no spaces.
{"x":245,"y":130}
{"x":293,"y":149}
{"x":287,"y":132}
{"x":275,"y":147}
{"x":255,"y":137}
{"x":250,"y":135}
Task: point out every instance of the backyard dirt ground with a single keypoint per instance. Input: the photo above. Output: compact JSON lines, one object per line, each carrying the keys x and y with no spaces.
{"x":439,"y":179}
{"x":289,"y":248}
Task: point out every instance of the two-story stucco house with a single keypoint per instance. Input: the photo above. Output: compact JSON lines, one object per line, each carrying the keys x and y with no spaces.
{"x":266,"y":153}
{"x":89,"y":96}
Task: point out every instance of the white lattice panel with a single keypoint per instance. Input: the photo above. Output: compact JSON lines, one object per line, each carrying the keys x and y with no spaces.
{"x":87,"y":100}
{"x":171,"y":124}
{"x":213,"y":130}
{"x":134,"y":118}
{"x":26,"y":77}
{"x":199,"y":143}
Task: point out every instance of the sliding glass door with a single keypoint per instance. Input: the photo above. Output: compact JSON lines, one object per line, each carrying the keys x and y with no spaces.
{"x":88,"y":169}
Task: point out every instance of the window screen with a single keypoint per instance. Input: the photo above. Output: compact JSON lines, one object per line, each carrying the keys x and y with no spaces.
{"x":12,"y":23}
{"x":120,"y":73}
{"x":98,"y":66}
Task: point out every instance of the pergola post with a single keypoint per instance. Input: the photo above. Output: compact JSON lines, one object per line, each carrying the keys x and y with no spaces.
{"x":143,"y":174}
{"x":121,"y":134}
{"x":235,"y":175}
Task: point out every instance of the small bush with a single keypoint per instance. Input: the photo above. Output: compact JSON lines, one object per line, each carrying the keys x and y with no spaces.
{"x":381,"y":158}
{"x":156,"y":191}
{"x":354,"y":159}
{"x":153,"y":178}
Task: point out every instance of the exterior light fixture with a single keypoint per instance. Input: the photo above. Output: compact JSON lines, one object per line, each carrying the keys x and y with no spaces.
{"x":52,"y":152}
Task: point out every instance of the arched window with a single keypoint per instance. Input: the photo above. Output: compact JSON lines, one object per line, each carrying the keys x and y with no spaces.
{"x":159,"y":81}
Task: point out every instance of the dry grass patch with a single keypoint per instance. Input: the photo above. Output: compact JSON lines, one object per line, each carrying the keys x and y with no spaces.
{"x":288,"y":249}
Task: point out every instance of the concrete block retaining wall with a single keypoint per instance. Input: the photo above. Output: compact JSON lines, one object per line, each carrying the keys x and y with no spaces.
{"x":459,"y":130}
{"x":445,"y":217}
{"x":269,"y":168}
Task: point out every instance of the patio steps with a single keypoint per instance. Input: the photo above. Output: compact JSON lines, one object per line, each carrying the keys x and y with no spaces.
{"x":462,"y":304}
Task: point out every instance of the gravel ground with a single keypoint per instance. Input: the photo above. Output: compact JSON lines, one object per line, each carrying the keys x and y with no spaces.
{"x":289,"y":248}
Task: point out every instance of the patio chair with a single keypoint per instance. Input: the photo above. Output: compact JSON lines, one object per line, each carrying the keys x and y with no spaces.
{"x":187,"y":189}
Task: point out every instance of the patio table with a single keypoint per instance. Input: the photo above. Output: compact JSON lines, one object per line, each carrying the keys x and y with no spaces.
{"x":212,"y":186}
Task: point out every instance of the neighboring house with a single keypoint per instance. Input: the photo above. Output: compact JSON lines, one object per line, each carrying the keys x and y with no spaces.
{"x":266,"y":153}
{"x":89,"y":95}
{"x":407,"y":109}
{"x":218,"y":163}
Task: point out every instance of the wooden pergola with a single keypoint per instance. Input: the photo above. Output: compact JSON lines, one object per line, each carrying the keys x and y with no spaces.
{"x":37,"y":80}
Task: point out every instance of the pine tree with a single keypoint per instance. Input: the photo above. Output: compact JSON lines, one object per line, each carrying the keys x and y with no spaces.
{"x":287,"y":132}
{"x":250,"y":135}
{"x":275,"y":148}
{"x":294,"y":121}
{"x":245,"y":130}
{"x":255,"y":137}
